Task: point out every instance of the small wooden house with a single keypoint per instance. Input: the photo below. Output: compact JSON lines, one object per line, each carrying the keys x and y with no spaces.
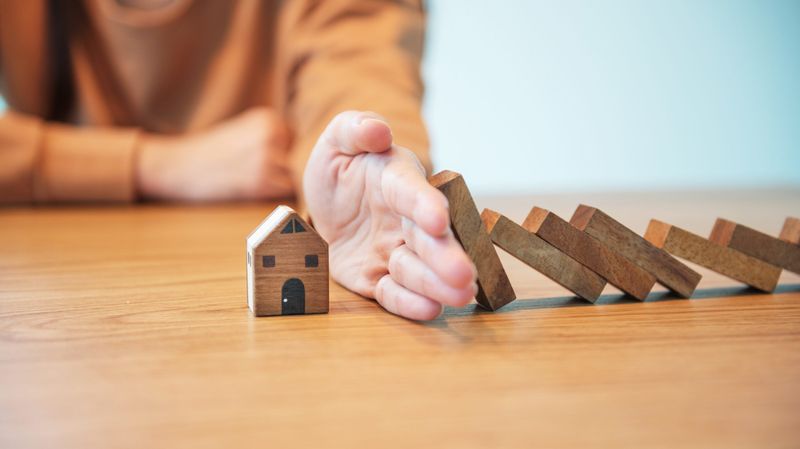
{"x":287,"y":266}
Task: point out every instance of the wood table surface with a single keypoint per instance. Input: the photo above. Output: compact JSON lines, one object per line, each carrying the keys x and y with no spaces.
{"x":128,"y":327}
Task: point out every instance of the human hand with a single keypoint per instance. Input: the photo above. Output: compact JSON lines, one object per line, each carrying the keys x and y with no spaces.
{"x":388,"y":230}
{"x":244,"y":157}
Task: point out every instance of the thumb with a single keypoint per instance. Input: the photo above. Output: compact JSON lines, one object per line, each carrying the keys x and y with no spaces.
{"x":354,"y":132}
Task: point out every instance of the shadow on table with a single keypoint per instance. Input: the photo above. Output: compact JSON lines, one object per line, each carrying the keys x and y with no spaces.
{"x":612,"y":299}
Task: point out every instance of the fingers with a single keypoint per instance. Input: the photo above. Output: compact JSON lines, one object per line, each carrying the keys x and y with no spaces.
{"x":401,"y":301}
{"x":409,"y":271}
{"x":443,"y":254}
{"x":354,"y":132}
{"x":408,"y":193}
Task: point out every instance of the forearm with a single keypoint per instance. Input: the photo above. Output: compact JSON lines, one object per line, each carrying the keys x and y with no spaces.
{"x":47,"y":162}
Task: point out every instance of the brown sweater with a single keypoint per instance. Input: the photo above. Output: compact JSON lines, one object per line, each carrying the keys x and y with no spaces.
{"x":85,"y":80}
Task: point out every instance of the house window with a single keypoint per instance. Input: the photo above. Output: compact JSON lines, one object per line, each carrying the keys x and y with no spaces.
{"x":268,"y":261}
{"x":312,"y":261}
{"x":292,"y":226}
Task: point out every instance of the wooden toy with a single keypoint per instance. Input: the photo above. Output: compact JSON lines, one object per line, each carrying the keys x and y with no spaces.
{"x":543,"y":257}
{"x":772,"y":250}
{"x":287,"y":266}
{"x":724,"y":260}
{"x":791,"y":230}
{"x":667,"y":270}
{"x":287,"y":261}
{"x":615,"y":268}
{"x":494,"y":288}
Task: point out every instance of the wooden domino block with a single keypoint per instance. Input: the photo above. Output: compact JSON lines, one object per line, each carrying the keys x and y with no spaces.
{"x":791,"y":230}
{"x":542,"y":256}
{"x":667,"y":270}
{"x":721,"y":259}
{"x":772,"y":250}
{"x":494,"y":288}
{"x":614,"y":267}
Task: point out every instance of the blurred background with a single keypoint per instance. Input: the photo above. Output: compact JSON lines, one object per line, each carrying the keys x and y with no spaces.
{"x":530,"y":96}
{"x":581,"y":95}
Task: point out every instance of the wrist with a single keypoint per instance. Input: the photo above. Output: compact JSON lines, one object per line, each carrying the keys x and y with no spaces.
{"x":151,"y":164}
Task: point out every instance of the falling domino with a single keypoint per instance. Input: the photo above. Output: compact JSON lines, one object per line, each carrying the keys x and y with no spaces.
{"x":791,"y":230}
{"x":772,"y":250}
{"x":615,"y":268}
{"x":542,"y":256}
{"x":494,"y":288}
{"x":721,"y":259}
{"x":668,"y":270}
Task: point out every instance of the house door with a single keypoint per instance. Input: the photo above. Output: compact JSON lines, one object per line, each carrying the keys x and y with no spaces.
{"x":293,"y":297}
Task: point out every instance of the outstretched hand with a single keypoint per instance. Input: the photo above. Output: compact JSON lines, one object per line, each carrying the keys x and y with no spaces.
{"x":387,"y":228}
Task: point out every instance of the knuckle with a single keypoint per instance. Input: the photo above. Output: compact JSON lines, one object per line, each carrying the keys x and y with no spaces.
{"x":395,"y":259}
{"x":409,"y":236}
{"x":344,"y":115}
{"x":428,"y":286}
{"x":380,"y":289}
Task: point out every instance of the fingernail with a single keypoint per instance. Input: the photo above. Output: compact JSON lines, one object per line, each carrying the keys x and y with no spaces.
{"x":474,"y":289}
{"x":366,"y":120}
{"x":379,"y":121}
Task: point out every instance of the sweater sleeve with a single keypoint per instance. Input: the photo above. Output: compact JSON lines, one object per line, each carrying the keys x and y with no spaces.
{"x":49,"y":162}
{"x":337,"y":55}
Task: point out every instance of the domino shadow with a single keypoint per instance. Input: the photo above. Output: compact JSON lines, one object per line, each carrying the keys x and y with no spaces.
{"x":617,"y":299}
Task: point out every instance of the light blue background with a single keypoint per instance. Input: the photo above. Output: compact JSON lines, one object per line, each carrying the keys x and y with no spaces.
{"x":530,"y":96}
{"x":577,"y":95}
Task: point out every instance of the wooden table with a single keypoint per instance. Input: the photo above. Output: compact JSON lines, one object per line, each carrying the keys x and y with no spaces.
{"x":127,"y":327}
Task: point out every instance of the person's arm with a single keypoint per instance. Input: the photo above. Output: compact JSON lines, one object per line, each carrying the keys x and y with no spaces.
{"x":243,"y":157}
{"x":47,"y":162}
{"x":339,"y":55}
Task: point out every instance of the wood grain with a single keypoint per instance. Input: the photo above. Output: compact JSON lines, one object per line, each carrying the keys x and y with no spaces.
{"x":494,"y":288}
{"x":757,"y":244}
{"x":667,"y":270}
{"x":542,"y":256}
{"x":791,"y":230}
{"x":126,"y":327}
{"x":727,"y":261}
{"x":615,"y":268}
